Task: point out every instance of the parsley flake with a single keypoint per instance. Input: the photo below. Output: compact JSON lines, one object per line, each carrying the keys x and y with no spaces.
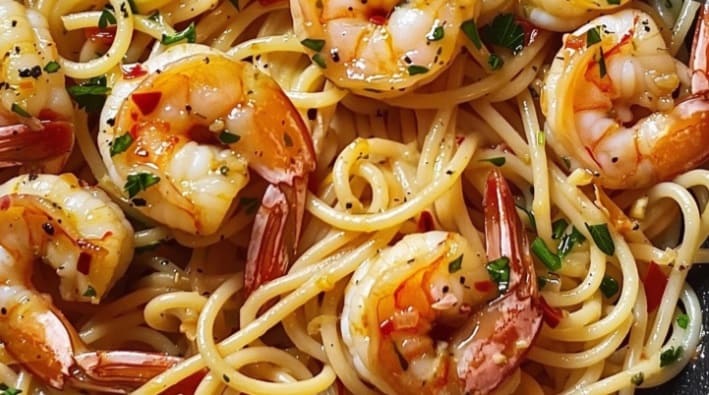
{"x":17,"y":109}
{"x":52,"y":67}
{"x":495,"y":61}
{"x":498,"y":161}
{"x":670,"y":356}
{"x":436,"y":34}
{"x":504,"y":31}
{"x":226,"y":137}
{"x":683,"y":321}
{"x":455,"y":264}
{"x":189,"y":34}
{"x":314,"y":44}
{"x":139,"y":182}
{"x":609,"y":286}
{"x":499,"y":271}
{"x":106,"y":18}
{"x":91,"y":94}
{"x":90,"y":292}
{"x":121,"y":143}
{"x":602,"y":237}
{"x":416,"y":69}
{"x":471,"y":31}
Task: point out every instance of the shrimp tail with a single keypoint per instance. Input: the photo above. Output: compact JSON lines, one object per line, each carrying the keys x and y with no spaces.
{"x":699,"y":58}
{"x":21,"y":145}
{"x":515,"y":315}
{"x":275,"y":233}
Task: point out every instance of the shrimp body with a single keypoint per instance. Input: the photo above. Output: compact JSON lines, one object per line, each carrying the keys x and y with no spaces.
{"x":181,"y":139}
{"x":420,"y":316}
{"x":381,"y":48}
{"x":564,"y":16}
{"x":607,"y":69}
{"x":85,"y":237}
{"x":35,"y":109}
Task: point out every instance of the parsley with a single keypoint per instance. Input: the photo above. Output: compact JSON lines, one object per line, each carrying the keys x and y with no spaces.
{"x":139,"y":182}
{"x":416,"y":69}
{"x":17,"y":109}
{"x":106,"y":18}
{"x":52,"y":67}
{"x":471,"y":31}
{"x":499,"y":271}
{"x":683,"y":321}
{"x":314,"y":44}
{"x":637,"y":378}
{"x":568,"y":241}
{"x":602,"y":237}
{"x":189,"y":34}
{"x":558,"y":227}
{"x":548,"y":258}
{"x":497,"y":161}
{"x":495,"y":61}
{"x":609,"y":286}
{"x":593,"y":36}
{"x":90,"y":292}
{"x":8,"y":390}
{"x":613,"y":2}
{"x":436,"y":34}
{"x":91,"y":94}
{"x":121,"y":143}
{"x":504,"y":31}
{"x":228,"y":138}
{"x":602,"y":64}
{"x":455,"y":264}
{"x":319,"y":60}
{"x":670,"y":356}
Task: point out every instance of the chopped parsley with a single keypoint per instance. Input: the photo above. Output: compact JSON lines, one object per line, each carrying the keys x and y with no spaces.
{"x":189,"y":34}
{"x":455,"y":264}
{"x":568,"y":241}
{"x":436,"y":34}
{"x":319,"y":60}
{"x":495,"y":62}
{"x":558,"y":228}
{"x":609,"y":286}
{"x":471,"y":31}
{"x":498,"y":161}
{"x":121,"y":143}
{"x":91,"y":94}
{"x":90,"y":292}
{"x":416,"y":69}
{"x":548,"y":258}
{"x":139,"y":182}
{"x":52,"y":67}
{"x":670,"y":356}
{"x":106,"y":18}
{"x":504,"y":31}
{"x":682,"y":321}
{"x":593,"y":36}
{"x":499,"y":271}
{"x":602,"y":237}
{"x":17,"y":109}
{"x":6,"y":390}
{"x":226,"y":137}
{"x":314,"y":44}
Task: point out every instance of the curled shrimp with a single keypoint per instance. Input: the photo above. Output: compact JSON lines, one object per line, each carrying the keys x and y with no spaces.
{"x":381,"y":48}
{"x":421,"y":317}
{"x":604,"y":72}
{"x":80,"y":233}
{"x":36,"y":114}
{"x":180,"y":141}
{"x":566,"y":15}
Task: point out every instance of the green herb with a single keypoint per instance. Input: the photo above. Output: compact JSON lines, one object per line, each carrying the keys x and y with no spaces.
{"x":91,"y":94}
{"x":530,"y":216}
{"x":90,"y":292}
{"x":249,"y":204}
{"x":228,"y":138}
{"x":602,"y":64}
{"x":139,"y":182}
{"x":670,"y":356}
{"x":106,"y":18}
{"x":609,"y":286}
{"x":558,"y":228}
{"x":189,"y":34}
{"x":637,"y":378}
{"x":121,"y":143}
{"x":471,"y":31}
{"x":593,"y":36}
{"x":319,"y":60}
{"x":17,"y":109}
{"x":52,"y":67}
{"x":455,"y":264}
{"x":602,"y":237}
{"x":504,"y":31}
{"x":683,"y":321}
{"x":613,"y":2}
{"x":568,"y":241}
{"x":416,"y":69}
{"x":436,"y":34}
{"x":314,"y":44}
{"x":8,"y":390}
{"x":495,"y":61}
{"x":235,"y":3}
{"x":499,"y":271}
{"x":548,"y":258}
{"x":498,"y":161}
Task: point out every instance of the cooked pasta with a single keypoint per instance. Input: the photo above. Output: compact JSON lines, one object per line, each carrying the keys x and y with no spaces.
{"x":320,"y":197}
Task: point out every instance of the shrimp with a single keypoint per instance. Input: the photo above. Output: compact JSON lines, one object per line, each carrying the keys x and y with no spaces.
{"x":36,"y":114}
{"x":381,"y":48}
{"x":564,"y":16}
{"x":607,"y":70}
{"x":80,"y":233}
{"x":181,"y":138}
{"x":421,"y":317}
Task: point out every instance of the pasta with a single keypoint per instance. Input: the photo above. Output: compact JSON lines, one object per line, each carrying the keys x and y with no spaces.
{"x":286,"y":236}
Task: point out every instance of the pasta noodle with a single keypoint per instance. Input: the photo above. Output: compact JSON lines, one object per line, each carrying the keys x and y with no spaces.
{"x":391,"y":171}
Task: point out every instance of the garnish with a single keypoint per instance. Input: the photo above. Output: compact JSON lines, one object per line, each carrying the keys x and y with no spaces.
{"x":455,"y":264}
{"x":17,"y":109}
{"x":91,"y":94}
{"x":52,"y":67}
{"x":548,"y":258}
{"x":670,"y":356}
{"x":530,"y":216}
{"x":602,"y":64}
{"x":613,"y":2}
{"x":609,"y":286}
{"x":495,"y":62}
{"x":602,"y":237}
{"x":504,"y":31}
{"x":497,"y":161}
{"x":568,"y":241}
{"x":436,"y":34}
{"x":319,"y":60}
{"x":226,"y":137}
{"x":593,"y":36}
{"x":139,"y":182}
{"x":9,"y":390}
{"x":121,"y":143}
{"x":416,"y":69}
{"x":499,"y":270}
{"x":683,"y":321}
{"x":189,"y":34}
{"x":90,"y":292}
{"x":106,"y":18}
{"x":471,"y":31}
{"x":558,"y":227}
{"x":314,"y":44}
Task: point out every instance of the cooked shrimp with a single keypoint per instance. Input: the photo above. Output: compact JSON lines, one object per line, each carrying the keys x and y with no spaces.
{"x":566,"y":15}
{"x":181,"y":138}
{"x":36,"y":114}
{"x":419,"y":317}
{"x":381,"y":48}
{"x":87,"y":240}
{"x":604,"y":72}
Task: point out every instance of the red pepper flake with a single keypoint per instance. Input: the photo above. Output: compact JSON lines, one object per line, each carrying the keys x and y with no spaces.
{"x":186,"y":386}
{"x":575,"y":42}
{"x":531,"y":32}
{"x":101,"y":36}
{"x":378,"y":19}
{"x":483,"y":286}
{"x":146,"y":101}
{"x":655,"y":282}
{"x":132,"y":71}
{"x":84,"y":263}
{"x":552,"y":315}
{"x":386,"y":327}
{"x":459,"y":139}
{"x":4,"y":203}
{"x":425,"y":222}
